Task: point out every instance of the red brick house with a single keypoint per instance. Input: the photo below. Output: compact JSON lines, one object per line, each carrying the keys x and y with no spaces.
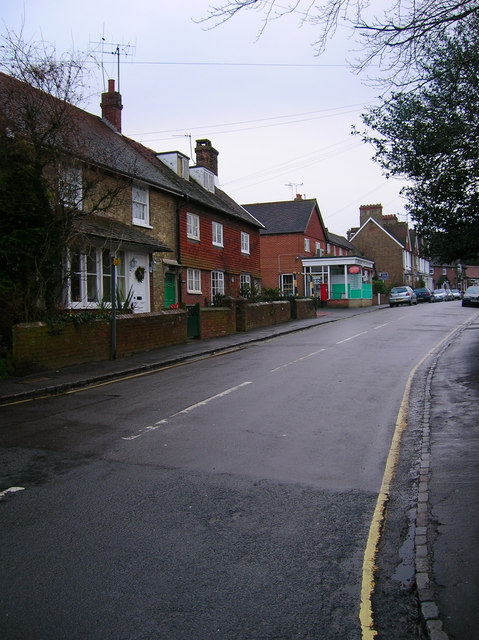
{"x":219,"y":241}
{"x":293,"y":231}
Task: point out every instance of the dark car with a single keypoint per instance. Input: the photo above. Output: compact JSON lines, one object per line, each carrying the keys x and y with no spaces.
{"x":423,"y":294}
{"x":471,"y":297}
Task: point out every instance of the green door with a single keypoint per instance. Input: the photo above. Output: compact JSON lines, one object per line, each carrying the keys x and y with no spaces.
{"x":170,"y":291}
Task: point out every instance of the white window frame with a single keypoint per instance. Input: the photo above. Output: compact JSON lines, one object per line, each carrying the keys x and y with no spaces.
{"x":71,"y":187}
{"x":98,"y":276}
{"x":245,"y":242}
{"x":217,"y":233}
{"x":307,"y":246}
{"x":140,"y":204}
{"x":217,"y":283}
{"x":192,"y":226}
{"x":282,"y":282}
{"x":245,"y":280}
{"x":193,"y":281}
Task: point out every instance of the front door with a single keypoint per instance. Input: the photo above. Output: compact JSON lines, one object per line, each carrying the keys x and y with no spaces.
{"x":170,"y":289}
{"x":139,"y":281}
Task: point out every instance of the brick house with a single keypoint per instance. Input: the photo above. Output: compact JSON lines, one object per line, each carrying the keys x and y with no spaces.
{"x":137,"y":206}
{"x":394,"y":247}
{"x":219,"y":241}
{"x":293,"y":231}
{"x":455,"y":276}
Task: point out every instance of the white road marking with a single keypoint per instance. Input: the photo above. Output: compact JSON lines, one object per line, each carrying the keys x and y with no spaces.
{"x":310,"y":355}
{"x":352,"y":337}
{"x":10,"y":490}
{"x":187,"y":410}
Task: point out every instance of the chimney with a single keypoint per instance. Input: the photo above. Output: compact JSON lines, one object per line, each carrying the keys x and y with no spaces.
{"x":111,"y":106}
{"x":374,"y":211}
{"x":206,"y":156}
{"x":298,"y":196}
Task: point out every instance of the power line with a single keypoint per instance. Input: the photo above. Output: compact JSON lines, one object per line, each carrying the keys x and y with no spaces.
{"x":327,"y":112}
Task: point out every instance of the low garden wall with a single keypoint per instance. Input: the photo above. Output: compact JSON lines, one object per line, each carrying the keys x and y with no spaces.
{"x":216,"y":321}
{"x":37,"y":345}
{"x":261,"y":314}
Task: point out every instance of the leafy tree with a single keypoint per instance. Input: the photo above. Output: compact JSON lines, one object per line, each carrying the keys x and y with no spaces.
{"x":395,"y":38}
{"x":431,"y":138}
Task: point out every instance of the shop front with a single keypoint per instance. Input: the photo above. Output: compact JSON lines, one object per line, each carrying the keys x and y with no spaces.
{"x":341,"y":281}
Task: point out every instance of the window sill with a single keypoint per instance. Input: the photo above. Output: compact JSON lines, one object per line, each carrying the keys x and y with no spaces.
{"x":139,"y":223}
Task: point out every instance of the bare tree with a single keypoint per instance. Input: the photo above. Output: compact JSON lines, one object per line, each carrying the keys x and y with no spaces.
{"x":394,"y":38}
{"x":47,"y":180}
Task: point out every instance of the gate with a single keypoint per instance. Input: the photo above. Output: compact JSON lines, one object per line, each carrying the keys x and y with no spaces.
{"x":193,"y":330}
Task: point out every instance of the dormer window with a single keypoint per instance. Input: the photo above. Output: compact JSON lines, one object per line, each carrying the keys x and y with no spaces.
{"x":176,"y":161}
{"x":204,"y":177}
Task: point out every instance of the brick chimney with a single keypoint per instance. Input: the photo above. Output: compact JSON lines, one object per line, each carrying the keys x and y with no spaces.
{"x":374,"y":211}
{"x":111,"y":106}
{"x":206,"y":156}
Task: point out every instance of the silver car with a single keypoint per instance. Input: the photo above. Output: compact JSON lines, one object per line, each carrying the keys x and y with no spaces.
{"x":402,"y":295}
{"x":439,"y":295}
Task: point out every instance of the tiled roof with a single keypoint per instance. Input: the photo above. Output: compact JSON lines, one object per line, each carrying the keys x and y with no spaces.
{"x":110,"y":231}
{"x":95,"y":141}
{"x":340,"y":241}
{"x":290,"y":216}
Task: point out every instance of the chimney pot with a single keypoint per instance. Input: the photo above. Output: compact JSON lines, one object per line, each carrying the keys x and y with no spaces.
{"x":111,"y":106}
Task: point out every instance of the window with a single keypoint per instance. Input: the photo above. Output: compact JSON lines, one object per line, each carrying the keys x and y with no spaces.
{"x":306,"y":245}
{"x":193,"y":283}
{"x":107,"y":259}
{"x":245,"y":281}
{"x":71,"y":188}
{"x":140,"y":205}
{"x":328,"y":248}
{"x":244,"y":242}
{"x":286,"y":284}
{"x":90,"y":277}
{"x":217,"y":283}
{"x":217,"y":230}
{"x":193,"y":226}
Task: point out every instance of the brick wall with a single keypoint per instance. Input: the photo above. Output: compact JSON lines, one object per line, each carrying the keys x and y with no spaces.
{"x":387,"y":254}
{"x":261,"y":314}
{"x":38,"y":346}
{"x":216,"y":321}
{"x":304,"y":308}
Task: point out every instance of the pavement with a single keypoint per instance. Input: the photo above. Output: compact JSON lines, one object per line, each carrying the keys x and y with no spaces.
{"x":58,"y":381}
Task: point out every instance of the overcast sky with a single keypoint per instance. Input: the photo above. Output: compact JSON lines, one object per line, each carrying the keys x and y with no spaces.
{"x":279,"y":116}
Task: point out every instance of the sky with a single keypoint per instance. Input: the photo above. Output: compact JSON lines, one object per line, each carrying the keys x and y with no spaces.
{"x":279,"y":116}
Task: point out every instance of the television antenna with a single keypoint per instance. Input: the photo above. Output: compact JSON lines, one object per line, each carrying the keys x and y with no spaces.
{"x":114,"y":49}
{"x":294,"y":188}
{"x":186,"y":135}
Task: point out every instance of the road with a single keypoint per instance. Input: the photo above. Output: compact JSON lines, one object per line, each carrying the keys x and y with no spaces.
{"x":230,"y":497}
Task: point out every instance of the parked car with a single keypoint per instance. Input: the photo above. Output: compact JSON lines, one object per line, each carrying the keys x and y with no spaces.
{"x":471,"y":297}
{"x":449,"y":295}
{"x":457,"y":294}
{"x":423,"y":294}
{"x":439,"y":295}
{"x":402,"y":295}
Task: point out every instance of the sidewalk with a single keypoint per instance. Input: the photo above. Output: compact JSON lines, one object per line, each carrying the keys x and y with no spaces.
{"x":58,"y":381}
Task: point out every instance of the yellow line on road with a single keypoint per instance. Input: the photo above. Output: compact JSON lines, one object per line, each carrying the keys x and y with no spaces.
{"x":369,"y":561}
